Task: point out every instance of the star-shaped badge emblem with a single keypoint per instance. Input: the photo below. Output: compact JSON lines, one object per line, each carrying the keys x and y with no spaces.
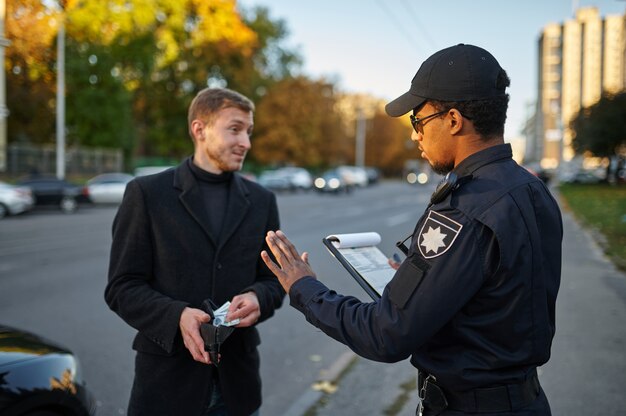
{"x":433,"y":240}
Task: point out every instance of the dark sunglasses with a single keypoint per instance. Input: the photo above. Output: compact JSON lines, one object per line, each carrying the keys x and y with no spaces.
{"x":418,"y":123}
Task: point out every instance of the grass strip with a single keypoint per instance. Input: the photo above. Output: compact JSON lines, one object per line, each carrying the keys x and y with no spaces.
{"x":602,"y":209}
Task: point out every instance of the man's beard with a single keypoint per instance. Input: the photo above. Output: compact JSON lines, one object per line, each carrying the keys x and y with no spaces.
{"x":442,"y":168}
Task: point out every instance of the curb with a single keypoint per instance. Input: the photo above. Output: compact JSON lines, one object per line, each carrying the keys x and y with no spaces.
{"x":326,"y":384}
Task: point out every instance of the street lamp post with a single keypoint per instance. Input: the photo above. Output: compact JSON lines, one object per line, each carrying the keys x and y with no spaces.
{"x":360,"y":138}
{"x":60,"y":115}
{"x":4,"y":112}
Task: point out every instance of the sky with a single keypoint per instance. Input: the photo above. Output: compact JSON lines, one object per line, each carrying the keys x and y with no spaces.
{"x":377,"y":46}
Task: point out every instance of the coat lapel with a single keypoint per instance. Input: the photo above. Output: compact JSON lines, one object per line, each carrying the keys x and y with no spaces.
{"x":191,"y":198}
{"x":238,"y":206}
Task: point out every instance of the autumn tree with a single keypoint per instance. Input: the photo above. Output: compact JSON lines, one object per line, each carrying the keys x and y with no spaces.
{"x":297,"y":123}
{"x":601,"y":128}
{"x":168,"y":50}
{"x":30,"y":76}
{"x":134,"y":66}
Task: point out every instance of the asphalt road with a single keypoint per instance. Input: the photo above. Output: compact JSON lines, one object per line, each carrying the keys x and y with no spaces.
{"x":53,"y":271}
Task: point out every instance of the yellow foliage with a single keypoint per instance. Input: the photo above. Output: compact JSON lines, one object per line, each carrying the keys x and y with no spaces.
{"x":31,"y":29}
{"x":297,"y":123}
{"x":102,"y":21}
{"x":204,"y":22}
{"x":219,"y":21}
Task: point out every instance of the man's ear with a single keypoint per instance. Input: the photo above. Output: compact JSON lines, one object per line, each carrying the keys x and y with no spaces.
{"x":197,"y":127}
{"x":456,"y":121}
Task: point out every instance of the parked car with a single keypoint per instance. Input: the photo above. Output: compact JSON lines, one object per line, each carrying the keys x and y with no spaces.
{"x":275,"y":180}
{"x":354,"y":175}
{"x":249,"y":176}
{"x":15,"y":199}
{"x":48,"y":190}
{"x":108,"y":188}
{"x":373,"y":175}
{"x":583,"y":177}
{"x":39,"y":377}
{"x":151,"y":170}
{"x":299,"y":178}
{"x":332,"y":181}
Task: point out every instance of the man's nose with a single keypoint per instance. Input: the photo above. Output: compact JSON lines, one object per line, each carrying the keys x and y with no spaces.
{"x":245,"y":141}
{"x":416,"y":137}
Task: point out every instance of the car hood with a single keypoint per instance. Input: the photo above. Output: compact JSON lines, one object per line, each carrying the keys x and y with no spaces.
{"x":17,"y":345}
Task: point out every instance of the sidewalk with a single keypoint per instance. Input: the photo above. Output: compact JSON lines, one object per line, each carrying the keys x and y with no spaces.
{"x":587,"y":371}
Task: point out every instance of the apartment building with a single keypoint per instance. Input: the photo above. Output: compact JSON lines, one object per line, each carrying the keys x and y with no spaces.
{"x":578,"y":61}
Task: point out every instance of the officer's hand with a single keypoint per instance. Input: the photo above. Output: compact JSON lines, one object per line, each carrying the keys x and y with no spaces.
{"x":395,"y":262}
{"x":190,"y":321}
{"x":244,"y":307}
{"x":293,"y":267}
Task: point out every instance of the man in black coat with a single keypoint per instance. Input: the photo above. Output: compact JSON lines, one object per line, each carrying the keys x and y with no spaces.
{"x":186,"y":235}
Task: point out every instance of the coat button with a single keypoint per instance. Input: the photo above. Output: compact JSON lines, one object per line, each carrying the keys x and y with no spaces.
{"x":219,"y":266}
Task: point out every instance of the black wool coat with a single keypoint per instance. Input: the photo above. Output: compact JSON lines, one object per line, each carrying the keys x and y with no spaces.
{"x":163,"y":259}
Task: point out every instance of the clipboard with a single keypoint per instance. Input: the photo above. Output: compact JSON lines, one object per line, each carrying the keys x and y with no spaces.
{"x":359,"y":255}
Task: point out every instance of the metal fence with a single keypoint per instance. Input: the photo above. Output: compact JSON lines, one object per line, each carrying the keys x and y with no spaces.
{"x":28,"y":159}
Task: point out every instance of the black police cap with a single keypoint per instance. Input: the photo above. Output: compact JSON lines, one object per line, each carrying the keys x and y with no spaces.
{"x":458,"y":73}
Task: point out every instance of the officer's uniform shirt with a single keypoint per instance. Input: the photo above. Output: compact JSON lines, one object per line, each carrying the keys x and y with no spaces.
{"x":473,"y":302}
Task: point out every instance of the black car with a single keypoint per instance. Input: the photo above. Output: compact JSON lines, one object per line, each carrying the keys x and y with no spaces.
{"x":333,"y":181}
{"x":38,"y":377}
{"x":49,"y":190}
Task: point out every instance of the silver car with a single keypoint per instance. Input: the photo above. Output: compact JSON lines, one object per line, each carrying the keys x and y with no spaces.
{"x":15,"y":199}
{"x":108,"y":188}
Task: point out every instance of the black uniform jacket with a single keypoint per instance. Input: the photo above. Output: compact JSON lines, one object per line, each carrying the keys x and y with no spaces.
{"x":473,"y":303}
{"x":164,"y":258}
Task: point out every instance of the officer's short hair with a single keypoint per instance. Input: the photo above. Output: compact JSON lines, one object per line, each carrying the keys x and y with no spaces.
{"x":488,"y":116}
{"x":209,"y":101}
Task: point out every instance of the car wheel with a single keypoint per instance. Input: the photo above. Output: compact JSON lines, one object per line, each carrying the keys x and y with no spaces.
{"x":3,"y":211}
{"x":68,"y":204}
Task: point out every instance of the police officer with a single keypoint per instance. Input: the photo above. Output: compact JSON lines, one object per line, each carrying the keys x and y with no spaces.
{"x":473,"y":303}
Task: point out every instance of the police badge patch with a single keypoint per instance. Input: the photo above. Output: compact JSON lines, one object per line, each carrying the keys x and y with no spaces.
{"x":437,"y":235}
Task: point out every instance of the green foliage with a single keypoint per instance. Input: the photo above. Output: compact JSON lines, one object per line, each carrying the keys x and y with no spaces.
{"x":601,"y":207}
{"x":272,"y":62}
{"x":132,"y":67}
{"x":98,"y":106}
{"x":601,"y":128}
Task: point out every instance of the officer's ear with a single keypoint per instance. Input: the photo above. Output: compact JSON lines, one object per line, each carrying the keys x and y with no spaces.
{"x":455,"y":121}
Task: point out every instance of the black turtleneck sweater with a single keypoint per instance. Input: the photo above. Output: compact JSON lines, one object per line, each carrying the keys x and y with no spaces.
{"x":214,"y":189}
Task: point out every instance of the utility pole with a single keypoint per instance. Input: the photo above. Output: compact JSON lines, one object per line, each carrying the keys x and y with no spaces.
{"x":4,"y":112}
{"x":61,"y":96}
{"x":360,"y":138}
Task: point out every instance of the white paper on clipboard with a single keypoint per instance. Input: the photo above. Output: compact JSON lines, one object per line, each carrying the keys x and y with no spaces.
{"x":360,"y":251}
